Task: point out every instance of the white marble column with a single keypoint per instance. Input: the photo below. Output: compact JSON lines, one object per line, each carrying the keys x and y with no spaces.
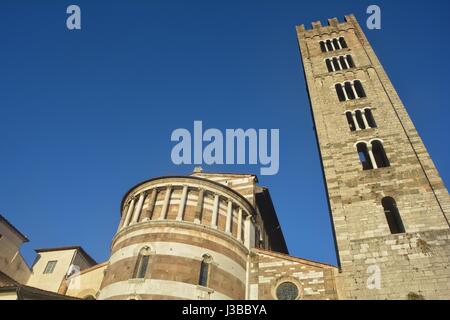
{"x":182,"y":205}
{"x":354,"y":91}
{"x":165,"y":206}
{"x":215,"y":212}
{"x":249,"y":233}
{"x":151,"y":206}
{"x":199,"y":208}
{"x":129,"y":213}
{"x":345,"y":92}
{"x":372,"y":158}
{"x":355,"y":121}
{"x":239,"y":226}
{"x":229,"y":220}
{"x":363,"y":114}
{"x":138,"y":209}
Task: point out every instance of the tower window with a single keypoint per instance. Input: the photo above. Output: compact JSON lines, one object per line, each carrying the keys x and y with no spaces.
{"x":333,"y":44}
{"x":142,"y":264}
{"x":204,"y":271}
{"x":329,"y":45}
{"x":342,"y":42}
{"x":359,"y":89}
{"x":340,"y":92}
{"x":392,"y":215}
{"x":379,"y":154}
{"x":350,"y":121}
{"x":50,"y":267}
{"x":339,"y":63}
{"x":329,"y":65}
{"x":364,"y":156}
{"x":360,"y":119}
{"x":372,"y":156}
{"x":369,"y":117}
{"x":350,"y":90}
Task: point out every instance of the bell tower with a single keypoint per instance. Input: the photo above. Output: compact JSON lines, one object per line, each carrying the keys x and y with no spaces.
{"x":389,"y":207}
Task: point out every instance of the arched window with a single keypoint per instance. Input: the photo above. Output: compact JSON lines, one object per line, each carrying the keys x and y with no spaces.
{"x":349,"y":90}
{"x":350,"y":61}
{"x":336,"y":65}
{"x":336,"y":44}
{"x":364,"y":156}
{"x":343,"y":62}
{"x":142,"y":263}
{"x":359,"y":89}
{"x":340,"y":92}
{"x":203,"y":279}
{"x":329,"y":66}
{"x":323,"y":47}
{"x":369,"y":117}
{"x":392,"y":215}
{"x":343,"y":43}
{"x":379,"y":154}
{"x":351,"y":124}
{"x":329,"y":45}
{"x":359,"y":118}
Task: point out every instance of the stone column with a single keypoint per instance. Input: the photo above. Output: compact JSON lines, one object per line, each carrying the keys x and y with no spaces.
{"x":138,"y":208}
{"x":372,"y":158}
{"x":345,"y":92}
{"x":249,"y":232}
{"x":166,"y":203}
{"x":239,"y":227}
{"x":182,"y":205}
{"x":363,"y":114}
{"x":215,"y":212}
{"x":129,"y":213}
{"x":199,"y":208}
{"x":229,"y":220}
{"x":354,"y":90}
{"x":355,"y":121}
{"x":151,"y":206}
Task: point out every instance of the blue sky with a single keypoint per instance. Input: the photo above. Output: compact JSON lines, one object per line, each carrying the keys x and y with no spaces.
{"x":85,"y":115}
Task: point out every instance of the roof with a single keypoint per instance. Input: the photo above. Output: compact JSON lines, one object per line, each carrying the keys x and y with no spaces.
{"x":14,"y":229}
{"x":7,"y":281}
{"x":296,"y":259}
{"x":9,"y":285}
{"x":78,"y":248}
{"x":231,"y":174}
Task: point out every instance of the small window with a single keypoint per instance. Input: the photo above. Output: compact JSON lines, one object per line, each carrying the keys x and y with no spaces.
{"x":50,"y":267}
{"x":350,"y":61}
{"x":329,"y":45}
{"x":343,"y":43}
{"x":351,"y":124}
{"x":329,"y":66}
{"x":369,"y":117}
{"x":203,"y":279}
{"x":349,"y":90}
{"x":142,"y":264}
{"x":323,"y":47}
{"x":340,"y":92}
{"x":359,"y":89}
{"x":359,"y":119}
{"x":364,"y":157}
{"x":379,"y":154}
{"x":392,"y":215}
{"x":287,"y":291}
